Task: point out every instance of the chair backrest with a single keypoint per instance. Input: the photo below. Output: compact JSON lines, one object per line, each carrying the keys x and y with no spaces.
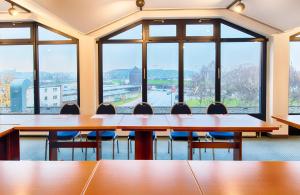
{"x":70,"y":109}
{"x":181,"y":108}
{"x":106,"y":108}
{"x":217,"y":108}
{"x":143,"y":108}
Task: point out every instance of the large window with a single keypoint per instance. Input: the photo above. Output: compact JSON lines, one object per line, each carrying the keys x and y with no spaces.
{"x":194,"y":61}
{"x":294,"y":78}
{"x":38,"y":69}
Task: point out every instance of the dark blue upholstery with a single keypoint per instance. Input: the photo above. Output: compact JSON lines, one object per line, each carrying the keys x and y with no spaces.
{"x":68,"y":109}
{"x":182,"y":136}
{"x":219,"y":108}
{"x":181,"y":108}
{"x":141,"y":108}
{"x":221,"y":135}
{"x":132,"y":135}
{"x":66,"y":135}
{"x":110,"y":134}
{"x":105,"y":135}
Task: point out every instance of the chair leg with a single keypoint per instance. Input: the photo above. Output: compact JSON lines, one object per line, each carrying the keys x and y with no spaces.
{"x":199,"y":152}
{"x":73,"y":150}
{"x":46,"y":148}
{"x":205,"y":141}
{"x":229,"y":148}
{"x":188,"y":151}
{"x":113,"y":142}
{"x":155,"y":150}
{"x":130,"y":145}
{"x":128,"y":149}
{"x":81,"y":141}
{"x":85,"y":151}
{"x":118,"y":148}
{"x":213,"y":150}
{"x":171,"y":147}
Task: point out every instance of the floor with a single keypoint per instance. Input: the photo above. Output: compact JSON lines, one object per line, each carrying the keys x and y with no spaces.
{"x":260,"y":149}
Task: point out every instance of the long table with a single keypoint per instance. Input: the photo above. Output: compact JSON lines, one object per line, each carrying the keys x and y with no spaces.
{"x":290,"y":120}
{"x":149,"y":177}
{"x":143,"y":125}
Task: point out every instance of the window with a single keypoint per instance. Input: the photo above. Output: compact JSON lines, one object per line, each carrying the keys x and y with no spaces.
{"x":192,"y":61}
{"x":16,"y":79}
{"x":162,"y":74}
{"x":294,"y":77}
{"x":199,"y":30}
{"x":168,"y":30}
{"x":122,"y":75}
{"x":56,"y":69}
{"x":240,"y":72}
{"x":199,"y":75}
{"x":131,"y":34}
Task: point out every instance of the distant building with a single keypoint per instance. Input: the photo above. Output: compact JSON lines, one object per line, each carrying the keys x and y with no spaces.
{"x":135,"y":76}
{"x":18,"y":88}
{"x":120,"y":92}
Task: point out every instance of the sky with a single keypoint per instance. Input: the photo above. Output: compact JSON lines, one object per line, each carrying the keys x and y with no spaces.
{"x":62,"y":58}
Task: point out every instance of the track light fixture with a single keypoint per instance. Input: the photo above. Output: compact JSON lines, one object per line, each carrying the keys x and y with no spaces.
{"x":140,"y":4}
{"x":13,"y":11}
{"x":237,"y":6}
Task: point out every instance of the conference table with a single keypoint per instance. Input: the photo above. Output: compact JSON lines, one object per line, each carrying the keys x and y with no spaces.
{"x":143,"y":125}
{"x":290,"y":120}
{"x":149,"y":177}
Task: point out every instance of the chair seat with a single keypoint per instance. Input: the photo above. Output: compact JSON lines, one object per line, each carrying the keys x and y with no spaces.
{"x":105,"y":135}
{"x":132,"y":135}
{"x":182,"y":136}
{"x":66,"y":135}
{"x":221,"y":135}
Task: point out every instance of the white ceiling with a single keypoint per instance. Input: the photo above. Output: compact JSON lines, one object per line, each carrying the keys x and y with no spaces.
{"x":4,"y":6}
{"x":88,"y":15}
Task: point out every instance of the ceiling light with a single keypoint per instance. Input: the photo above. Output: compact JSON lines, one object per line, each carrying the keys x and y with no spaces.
{"x":237,"y":6}
{"x":140,"y":4}
{"x":13,"y":11}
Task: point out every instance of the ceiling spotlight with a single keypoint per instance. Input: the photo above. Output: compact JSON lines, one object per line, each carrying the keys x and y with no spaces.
{"x":140,"y":4}
{"x":13,"y":11}
{"x":237,"y":6}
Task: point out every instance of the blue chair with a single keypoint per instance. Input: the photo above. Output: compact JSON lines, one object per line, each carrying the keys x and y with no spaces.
{"x":67,"y":135}
{"x":180,"y":108}
{"x":218,"y":108}
{"x":106,"y":135}
{"x":141,"y":108}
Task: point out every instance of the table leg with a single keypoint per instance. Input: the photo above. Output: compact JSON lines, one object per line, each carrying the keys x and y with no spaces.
{"x":10,"y":146}
{"x":237,"y":152}
{"x":190,"y":140}
{"x":143,"y":145}
{"x":99,"y":146}
{"x":52,"y":150}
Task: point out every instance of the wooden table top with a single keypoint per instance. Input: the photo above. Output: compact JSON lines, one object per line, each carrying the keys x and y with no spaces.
{"x":247,"y":178}
{"x":144,"y":122}
{"x":219,"y":122}
{"x":291,"y":120}
{"x":70,"y":122}
{"x":5,"y":129}
{"x":143,"y":177}
{"x":28,"y":177}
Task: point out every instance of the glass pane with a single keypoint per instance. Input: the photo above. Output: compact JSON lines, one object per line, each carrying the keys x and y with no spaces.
{"x":199,"y":30}
{"x":122,"y":75}
{"x":16,"y":79}
{"x":294,"y":82}
{"x":199,"y":75}
{"x":15,"y":33}
{"x":133,"y":33}
{"x":47,"y":35}
{"x":229,"y":32}
{"x":167,"y":30}
{"x":240,"y":76}
{"x":58,"y":76}
{"x":162,"y":73}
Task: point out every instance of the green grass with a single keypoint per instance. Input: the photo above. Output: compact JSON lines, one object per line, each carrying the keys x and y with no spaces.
{"x":162,"y":82}
{"x":227,"y":102}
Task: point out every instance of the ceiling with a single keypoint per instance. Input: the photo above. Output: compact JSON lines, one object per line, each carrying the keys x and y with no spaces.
{"x":88,"y":15}
{"x":4,"y":6}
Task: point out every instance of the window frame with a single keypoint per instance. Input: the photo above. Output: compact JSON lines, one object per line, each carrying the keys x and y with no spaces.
{"x":181,"y":38}
{"x":293,"y":38}
{"x":35,"y":43}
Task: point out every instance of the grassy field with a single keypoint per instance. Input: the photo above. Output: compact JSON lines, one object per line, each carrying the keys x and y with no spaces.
{"x":122,"y":102}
